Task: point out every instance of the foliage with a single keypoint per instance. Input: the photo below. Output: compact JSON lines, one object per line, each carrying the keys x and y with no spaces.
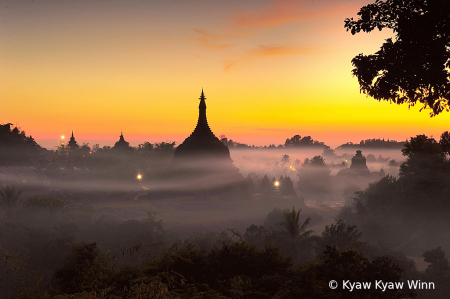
{"x":341,"y":235}
{"x":438,"y":262}
{"x":266,"y":186}
{"x":15,"y":147}
{"x":413,"y":203}
{"x":274,"y":217}
{"x":424,"y":154}
{"x":9,"y":198}
{"x":314,"y":181}
{"x":299,"y":141}
{"x":373,"y":143}
{"x":293,"y":238}
{"x":53,"y":205}
{"x":285,"y":159}
{"x":444,"y":142}
{"x":438,"y":272}
{"x":414,"y":66}
{"x":83,"y":270}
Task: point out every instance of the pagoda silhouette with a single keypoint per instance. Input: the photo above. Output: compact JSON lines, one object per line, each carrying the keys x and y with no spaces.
{"x":121,"y":144}
{"x":72,"y":144}
{"x":202,"y":166}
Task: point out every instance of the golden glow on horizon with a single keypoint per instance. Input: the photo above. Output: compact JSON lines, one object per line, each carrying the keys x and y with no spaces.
{"x":270,"y":70}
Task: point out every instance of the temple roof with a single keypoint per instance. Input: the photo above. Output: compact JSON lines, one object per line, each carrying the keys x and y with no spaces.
{"x":72,"y":142}
{"x":121,"y":144}
{"x":202,"y":128}
{"x":202,"y":141}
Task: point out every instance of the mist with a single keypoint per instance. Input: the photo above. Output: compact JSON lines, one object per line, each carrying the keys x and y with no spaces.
{"x":122,"y":198}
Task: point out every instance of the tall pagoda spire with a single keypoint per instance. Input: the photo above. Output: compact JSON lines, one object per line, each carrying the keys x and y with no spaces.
{"x":72,"y":144}
{"x":202,"y":127}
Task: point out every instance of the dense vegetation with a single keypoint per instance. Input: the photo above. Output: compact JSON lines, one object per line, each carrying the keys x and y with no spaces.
{"x":50,"y":251}
{"x":15,"y":147}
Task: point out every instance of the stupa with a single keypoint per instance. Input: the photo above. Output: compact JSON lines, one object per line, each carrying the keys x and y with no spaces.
{"x":72,"y":144}
{"x":121,"y":144}
{"x":358,"y":167}
{"x":202,"y":143}
{"x":202,"y":165}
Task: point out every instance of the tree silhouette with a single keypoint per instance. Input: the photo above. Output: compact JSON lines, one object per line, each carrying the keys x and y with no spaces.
{"x":293,"y":234}
{"x":424,"y":154}
{"x":414,"y":67}
{"x":15,"y":147}
{"x":9,"y":198}
{"x":445,"y":143}
{"x":285,"y":159}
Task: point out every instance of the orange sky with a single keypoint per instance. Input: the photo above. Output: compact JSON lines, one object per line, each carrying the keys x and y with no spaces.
{"x":269,"y":69}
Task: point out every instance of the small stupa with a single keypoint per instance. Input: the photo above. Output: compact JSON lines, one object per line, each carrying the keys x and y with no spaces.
{"x":358,"y":167}
{"x":121,"y":144}
{"x":72,"y":144}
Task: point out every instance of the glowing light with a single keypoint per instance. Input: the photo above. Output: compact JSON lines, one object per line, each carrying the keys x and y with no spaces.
{"x":90,"y":153}
{"x":290,"y":166}
{"x":139,"y":176}
{"x":293,"y":169}
{"x":277,"y":183}
{"x":62,"y":137}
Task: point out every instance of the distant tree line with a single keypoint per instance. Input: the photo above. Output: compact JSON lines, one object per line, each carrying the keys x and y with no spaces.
{"x":373,"y":143}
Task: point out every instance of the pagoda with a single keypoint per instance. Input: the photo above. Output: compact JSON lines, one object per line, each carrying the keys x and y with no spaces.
{"x":202,"y":143}
{"x":72,"y":144}
{"x":121,"y":144}
{"x":202,"y":165}
{"x":358,"y":166}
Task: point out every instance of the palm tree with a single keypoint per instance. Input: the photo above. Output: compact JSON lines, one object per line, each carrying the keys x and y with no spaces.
{"x":9,"y":198}
{"x":295,"y":235}
{"x":285,"y":159}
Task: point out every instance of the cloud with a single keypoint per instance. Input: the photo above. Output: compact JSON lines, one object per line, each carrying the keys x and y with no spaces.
{"x":263,"y":51}
{"x":235,"y":41}
{"x":229,"y":64}
{"x":277,"y":12}
{"x":209,"y":40}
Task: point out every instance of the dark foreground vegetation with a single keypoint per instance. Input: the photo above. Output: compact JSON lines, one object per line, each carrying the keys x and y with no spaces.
{"x":49,"y":251}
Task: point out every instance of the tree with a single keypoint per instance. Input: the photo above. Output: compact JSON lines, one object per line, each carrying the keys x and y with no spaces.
{"x":84,"y":269}
{"x":294,"y":235}
{"x":445,"y":143}
{"x":414,"y":67}
{"x":424,"y":154}
{"x":314,"y":181}
{"x":438,"y":262}
{"x":285,"y":159}
{"x":9,"y":198}
{"x":341,"y":235}
{"x":50,"y":204}
{"x":15,"y":147}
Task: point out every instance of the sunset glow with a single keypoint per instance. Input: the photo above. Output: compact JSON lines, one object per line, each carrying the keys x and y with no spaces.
{"x":270,"y":70}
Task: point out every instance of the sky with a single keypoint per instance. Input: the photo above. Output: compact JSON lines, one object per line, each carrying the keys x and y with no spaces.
{"x":270,"y":69}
